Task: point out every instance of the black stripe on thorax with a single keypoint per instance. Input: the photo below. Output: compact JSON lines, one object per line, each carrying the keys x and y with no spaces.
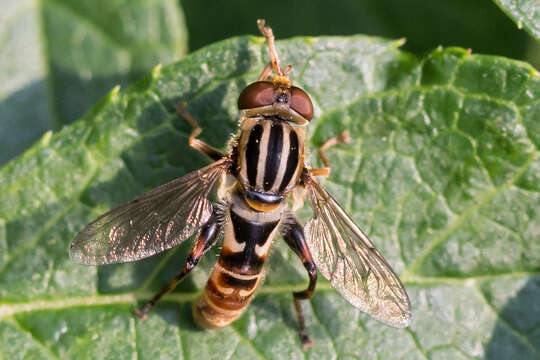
{"x":273,"y":155}
{"x":292,"y":160}
{"x":252,"y":153}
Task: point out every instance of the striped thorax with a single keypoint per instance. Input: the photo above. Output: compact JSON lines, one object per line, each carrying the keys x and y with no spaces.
{"x":270,"y":159}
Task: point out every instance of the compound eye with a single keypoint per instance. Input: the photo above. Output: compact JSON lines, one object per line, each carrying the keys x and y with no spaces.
{"x":301,"y":103}
{"x":257,"y":94}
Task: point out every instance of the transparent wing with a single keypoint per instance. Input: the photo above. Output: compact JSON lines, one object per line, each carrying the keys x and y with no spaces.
{"x":348,"y":259}
{"x":151,"y":223}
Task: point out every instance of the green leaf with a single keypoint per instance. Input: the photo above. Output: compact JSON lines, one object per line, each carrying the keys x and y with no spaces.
{"x":442,"y":173}
{"x":526,"y":14}
{"x":59,"y":57}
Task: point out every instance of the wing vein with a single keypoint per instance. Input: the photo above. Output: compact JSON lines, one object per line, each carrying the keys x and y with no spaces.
{"x":349,"y":260}
{"x":156,"y":221}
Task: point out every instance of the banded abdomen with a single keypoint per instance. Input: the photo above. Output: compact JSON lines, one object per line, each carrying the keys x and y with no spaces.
{"x":271,"y":153}
{"x":239,"y":270}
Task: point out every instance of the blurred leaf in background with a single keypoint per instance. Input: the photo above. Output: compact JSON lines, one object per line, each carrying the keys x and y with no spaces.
{"x":526,"y":14}
{"x":479,"y":25}
{"x":57,"y":58}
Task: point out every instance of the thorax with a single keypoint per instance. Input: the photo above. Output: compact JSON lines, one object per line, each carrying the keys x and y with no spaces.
{"x":270,"y":156}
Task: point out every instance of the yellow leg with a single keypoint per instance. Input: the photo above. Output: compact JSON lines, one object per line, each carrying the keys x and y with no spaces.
{"x":343,"y":138}
{"x":195,"y":143}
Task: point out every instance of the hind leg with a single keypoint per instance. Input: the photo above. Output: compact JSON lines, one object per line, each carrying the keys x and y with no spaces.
{"x":294,"y":236}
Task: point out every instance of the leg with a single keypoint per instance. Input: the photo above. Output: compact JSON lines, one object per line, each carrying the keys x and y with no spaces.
{"x":343,"y":138}
{"x":195,"y":143}
{"x":207,"y":237}
{"x":294,"y":236}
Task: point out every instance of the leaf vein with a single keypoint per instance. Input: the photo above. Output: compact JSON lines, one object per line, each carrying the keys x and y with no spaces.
{"x":442,"y":237}
{"x":247,"y":341}
{"x":15,"y":322}
{"x":324,"y":328}
{"x":417,"y":343}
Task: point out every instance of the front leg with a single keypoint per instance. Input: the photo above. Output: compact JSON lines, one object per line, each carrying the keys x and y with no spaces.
{"x":342,"y":138}
{"x":293,"y":233}
{"x":196,"y":130}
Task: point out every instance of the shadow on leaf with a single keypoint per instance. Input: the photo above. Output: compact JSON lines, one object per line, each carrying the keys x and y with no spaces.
{"x":517,"y":333}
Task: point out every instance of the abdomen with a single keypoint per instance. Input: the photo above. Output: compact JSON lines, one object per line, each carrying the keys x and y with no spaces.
{"x":239,"y":270}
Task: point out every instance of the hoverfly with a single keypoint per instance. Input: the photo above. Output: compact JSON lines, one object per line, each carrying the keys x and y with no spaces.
{"x":262,"y":170}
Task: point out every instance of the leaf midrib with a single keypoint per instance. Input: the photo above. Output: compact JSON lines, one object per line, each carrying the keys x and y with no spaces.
{"x":9,"y":309}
